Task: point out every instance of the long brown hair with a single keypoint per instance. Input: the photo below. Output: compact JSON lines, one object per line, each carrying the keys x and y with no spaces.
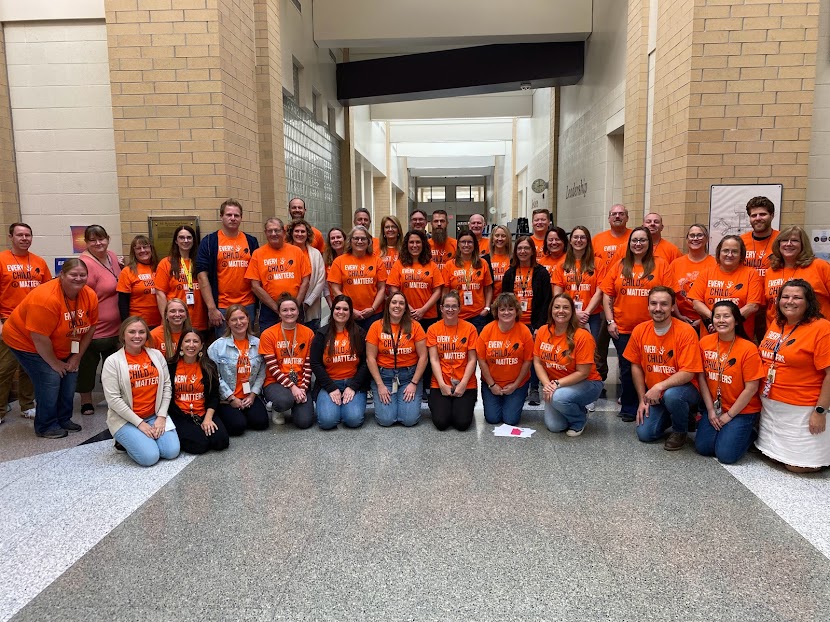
{"x":132,"y":262}
{"x":353,"y":330}
{"x":406,"y":320}
{"x":169,"y":346}
{"x":176,"y":254}
{"x":586,"y":264}
{"x":514,"y":261}
{"x":384,"y":245}
{"x":329,"y":254}
{"x":805,"y":257}
{"x":648,"y":258}
{"x":209,"y":370}
{"x":573,"y":323}
{"x":476,"y":257}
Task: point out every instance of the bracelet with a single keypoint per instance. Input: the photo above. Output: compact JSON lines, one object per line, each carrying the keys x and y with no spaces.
{"x":556,"y":382}
{"x":490,"y":386}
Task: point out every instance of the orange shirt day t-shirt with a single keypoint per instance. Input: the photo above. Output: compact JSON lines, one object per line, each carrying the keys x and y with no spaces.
{"x":343,"y":362}
{"x":359,"y":278}
{"x":18,"y":276}
{"x":189,"y":390}
{"x":279,"y":270}
{"x":743,"y":287}
{"x":802,"y":358}
{"x":46,"y":311}
{"x":232,"y":263}
{"x":505,"y":353}
{"x":558,"y":361}
{"x":144,"y":382}
{"x":581,"y":286}
{"x":387,"y":343}
{"x":285,"y":351}
{"x":453,"y":344}
{"x":605,"y":245}
{"x":631,"y":294}
{"x":500,"y":264}
{"x":466,"y":278}
{"x":817,"y":274}
{"x":443,"y":254}
{"x":156,"y":341}
{"x":551,"y":264}
{"x":141,"y":287}
{"x":758,"y":252}
{"x":179,"y":288}
{"x":686,"y":272}
{"x":731,"y":366}
{"x":417,"y":283}
{"x":662,"y":356}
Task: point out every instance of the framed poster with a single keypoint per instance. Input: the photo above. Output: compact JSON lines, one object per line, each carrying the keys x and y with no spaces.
{"x":161,"y":230}
{"x":727,"y":209}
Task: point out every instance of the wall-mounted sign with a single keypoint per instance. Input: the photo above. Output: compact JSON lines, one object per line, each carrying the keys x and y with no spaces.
{"x":577,"y":190}
{"x":161,"y":231}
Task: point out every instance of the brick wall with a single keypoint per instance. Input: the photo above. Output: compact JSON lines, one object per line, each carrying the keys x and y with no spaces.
{"x":9,"y":203}
{"x":636,"y":95}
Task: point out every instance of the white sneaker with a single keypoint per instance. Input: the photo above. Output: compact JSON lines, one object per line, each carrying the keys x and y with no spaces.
{"x":28,"y":414}
{"x":8,"y":408}
{"x":591,"y":407}
{"x":269,"y":406}
{"x":574,"y":433}
{"x":277,"y":418}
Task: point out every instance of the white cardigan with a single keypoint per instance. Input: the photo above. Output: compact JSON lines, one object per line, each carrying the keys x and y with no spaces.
{"x":316,"y":285}
{"x":115,"y":377}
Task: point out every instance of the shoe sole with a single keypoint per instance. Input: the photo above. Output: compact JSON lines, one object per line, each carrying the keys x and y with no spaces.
{"x":574,"y":433}
{"x":52,"y":436}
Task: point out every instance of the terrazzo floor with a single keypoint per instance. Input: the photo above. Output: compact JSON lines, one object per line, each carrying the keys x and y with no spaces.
{"x":412,"y":524}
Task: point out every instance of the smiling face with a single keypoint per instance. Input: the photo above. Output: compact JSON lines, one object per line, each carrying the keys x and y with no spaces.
{"x":618,"y":217}
{"x":730,"y":255}
{"x":297,"y":209}
{"x":176,"y":315}
{"x":21,"y":240}
{"x":638,"y":243}
{"x":184,"y":240}
{"x":579,"y":240}
{"x":541,"y":222}
{"x":500,"y":239}
{"x":790,"y":248}
{"x":360,"y":243}
{"x":696,"y":239}
{"x":659,"y":307}
{"x":465,"y":246}
{"x":238,"y":321}
{"x":341,"y":312}
{"x":275,"y":232}
{"x":191,"y":345}
{"x":397,"y":307}
{"x":414,"y":246}
{"x":98,"y":246}
{"x":450,"y":309}
{"x":561,"y":312}
{"x":73,"y":280}
{"x":289,"y":313}
{"x":299,"y":235}
{"x":391,"y":231}
{"x":554,"y":244}
{"x":524,"y":251}
{"x":761,"y":221}
{"x":336,"y":240}
{"x":506,"y":314}
{"x":724,"y":322}
{"x":793,"y":303}
{"x":476,"y":225}
{"x":418,"y":221}
{"x":654,"y":223}
{"x":362,"y":219}
{"x":135,"y":336}
{"x":143,"y":252}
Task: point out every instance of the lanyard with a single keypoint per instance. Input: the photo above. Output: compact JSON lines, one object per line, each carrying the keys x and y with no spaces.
{"x":395,"y":345}
{"x":293,"y":343}
{"x":722,"y":364}
{"x":73,"y":313}
{"x":188,"y":274}
{"x":523,"y":281}
{"x":778,"y":345}
{"x":104,"y":266}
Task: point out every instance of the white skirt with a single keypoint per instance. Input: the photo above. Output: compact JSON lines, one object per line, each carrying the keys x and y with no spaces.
{"x":784,"y":435}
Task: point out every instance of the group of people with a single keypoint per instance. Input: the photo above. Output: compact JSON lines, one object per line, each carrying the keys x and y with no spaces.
{"x":412,"y":317}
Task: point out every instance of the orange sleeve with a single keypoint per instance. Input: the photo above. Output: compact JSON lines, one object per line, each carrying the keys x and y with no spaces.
{"x":252,"y":272}
{"x":698,"y":291}
{"x":373,"y":336}
{"x":125,"y":281}
{"x":583,"y":347}
{"x":634,"y":349}
{"x":756,"y":289}
{"x":381,"y":270}
{"x":336,"y":271}
{"x":688,"y":348}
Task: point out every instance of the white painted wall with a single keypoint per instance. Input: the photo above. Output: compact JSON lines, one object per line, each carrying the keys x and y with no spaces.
{"x":369,"y":138}
{"x":818,"y":177}
{"x":507,"y":105}
{"x":589,"y":112}
{"x":63,"y":130}
{"x":49,"y":10}
{"x":503,"y":185}
{"x":533,"y":151}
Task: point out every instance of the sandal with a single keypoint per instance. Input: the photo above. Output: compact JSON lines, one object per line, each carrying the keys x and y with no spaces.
{"x":87,"y":409}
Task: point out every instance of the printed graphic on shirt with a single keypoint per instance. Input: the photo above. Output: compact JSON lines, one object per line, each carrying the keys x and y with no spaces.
{"x":342,"y":352}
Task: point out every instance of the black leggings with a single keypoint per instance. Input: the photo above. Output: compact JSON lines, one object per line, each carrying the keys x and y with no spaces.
{"x":452,"y":411}
{"x":237,"y":421}
{"x":193,"y":439}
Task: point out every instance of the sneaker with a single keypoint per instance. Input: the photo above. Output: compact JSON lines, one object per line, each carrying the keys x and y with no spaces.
{"x":53,"y":433}
{"x":277,"y":417}
{"x":269,"y":406}
{"x":675,"y":441}
{"x":8,"y":407}
{"x":591,"y":407}
{"x":369,"y":398}
{"x":72,"y":427}
{"x":119,"y":446}
{"x":574,"y":433}
{"x":533,"y":397}
{"x":28,"y":414}
{"x":627,"y":418}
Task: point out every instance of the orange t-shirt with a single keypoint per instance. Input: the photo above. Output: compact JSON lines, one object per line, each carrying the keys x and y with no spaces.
{"x":273,"y":343}
{"x":232,"y":263}
{"x":663,"y":356}
{"x":540,"y":247}
{"x":243,"y":367}
{"x":631,"y":295}
{"x":742,"y":365}
{"x":319,"y":240}
{"x":157,"y":341}
{"x":358,"y":278}
{"x":758,"y":252}
{"x":188,"y":388}
{"x":19,"y":276}
{"x":173,"y":288}
{"x":468,"y":279}
{"x":453,"y":344}
{"x":581,"y":286}
{"x":505,"y":353}
{"x":417,"y":284}
{"x":279,"y":271}
{"x":552,"y":350}
{"x":551,"y":264}
{"x":444,"y":254}
{"x":47,"y":312}
{"x":389,"y":258}
{"x":802,"y":358}
{"x":144,"y":382}
{"x":342,"y":365}
{"x":500,"y":265}
{"x":142,"y":290}
{"x":667,"y":251}
{"x":686,"y":272}
{"x":523,"y":288}
{"x":483,"y":246}
{"x":817,"y":274}
{"x":605,"y":245}
{"x":386,"y":344}
{"x":743,"y":286}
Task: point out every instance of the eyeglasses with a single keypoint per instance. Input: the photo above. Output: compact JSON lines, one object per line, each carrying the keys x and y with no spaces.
{"x":450,"y":307}
{"x":696,"y":236}
{"x":638,"y":241}
{"x":578,"y":237}
{"x":729,"y":251}
{"x":360,"y":239}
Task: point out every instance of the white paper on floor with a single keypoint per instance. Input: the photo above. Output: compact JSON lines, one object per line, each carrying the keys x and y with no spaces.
{"x":512,"y":430}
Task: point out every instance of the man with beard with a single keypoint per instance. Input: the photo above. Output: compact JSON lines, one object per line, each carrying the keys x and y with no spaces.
{"x":665,"y":361}
{"x":442,"y":246}
{"x":758,"y":241}
{"x":296,"y":208}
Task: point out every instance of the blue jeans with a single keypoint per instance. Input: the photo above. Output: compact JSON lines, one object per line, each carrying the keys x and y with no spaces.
{"x":144,"y":450}
{"x":595,"y":325}
{"x":629,"y":400}
{"x":330,"y":414}
{"x":314,"y":325}
{"x":367,"y":323}
{"x":504,"y":408}
{"x":398,"y":410}
{"x":672,"y":411}
{"x":54,"y":395}
{"x":730,"y":443}
{"x":567,"y":409}
{"x":250,"y":309}
{"x":479,"y":321}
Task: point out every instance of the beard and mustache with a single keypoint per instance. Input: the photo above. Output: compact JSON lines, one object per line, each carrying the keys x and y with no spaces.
{"x":439,"y":236}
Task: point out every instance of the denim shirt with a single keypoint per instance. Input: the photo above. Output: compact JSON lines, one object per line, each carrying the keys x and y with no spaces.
{"x":225,"y":354}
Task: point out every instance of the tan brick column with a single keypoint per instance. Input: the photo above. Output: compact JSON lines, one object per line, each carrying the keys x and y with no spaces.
{"x":636,"y":99}
{"x":270,"y":109}
{"x":184,"y":107}
{"x":9,"y":198}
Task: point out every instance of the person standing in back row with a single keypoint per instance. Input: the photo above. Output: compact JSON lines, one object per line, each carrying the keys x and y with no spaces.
{"x":758,"y":241}
{"x":296,"y":208}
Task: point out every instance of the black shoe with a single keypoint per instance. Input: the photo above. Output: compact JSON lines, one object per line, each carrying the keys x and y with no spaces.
{"x":119,"y":446}
{"x":533,"y":398}
{"x":603,"y":394}
{"x":72,"y":427}
{"x":627,"y":418}
{"x":53,"y":433}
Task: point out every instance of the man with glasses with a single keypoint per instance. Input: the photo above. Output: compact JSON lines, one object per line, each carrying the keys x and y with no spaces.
{"x":20,"y":272}
{"x":296,"y":208}
{"x":442,"y":246}
{"x":221,"y":264}
{"x":276,"y":269}
{"x":605,"y":246}
{"x":418,"y":221}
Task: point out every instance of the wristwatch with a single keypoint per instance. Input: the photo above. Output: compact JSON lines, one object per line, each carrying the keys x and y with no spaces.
{"x":821,"y":410}
{"x":610,"y":322}
{"x":487,"y":309}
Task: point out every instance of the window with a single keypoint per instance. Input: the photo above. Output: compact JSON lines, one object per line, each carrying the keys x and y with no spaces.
{"x":332,"y":119}
{"x":431,"y":194}
{"x":298,"y":5}
{"x":296,"y":82}
{"x":474,"y":194}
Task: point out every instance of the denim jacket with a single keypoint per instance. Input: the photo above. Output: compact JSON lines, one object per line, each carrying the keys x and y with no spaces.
{"x":225,"y":354}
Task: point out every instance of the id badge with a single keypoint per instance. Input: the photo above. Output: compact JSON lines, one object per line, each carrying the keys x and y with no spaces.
{"x":524,"y":306}
{"x":771,"y":375}
{"x":718,"y":407}
{"x":153,"y":291}
{"x":190,"y":298}
{"x":395,"y":384}
{"x":75,"y":347}
{"x":578,"y":306}
{"x":468,"y":299}
{"x":246,"y":387}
